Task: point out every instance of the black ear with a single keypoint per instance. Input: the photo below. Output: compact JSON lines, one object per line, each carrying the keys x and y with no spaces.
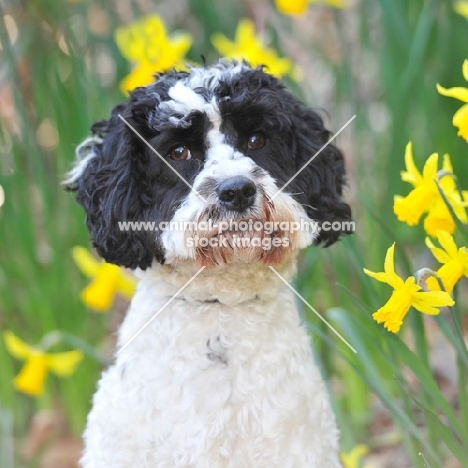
{"x":324,"y":177}
{"x":112,"y":187}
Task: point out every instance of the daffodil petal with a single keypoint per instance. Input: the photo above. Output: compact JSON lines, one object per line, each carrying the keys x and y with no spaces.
{"x":64,"y":364}
{"x":221,"y":43}
{"x":447,"y":164}
{"x":389,"y":268}
{"x":430,"y":167}
{"x":465,"y":63}
{"x":461,"y":7}
{"x":17,"y":347}
{"x":412,"y":174}
{"x":134,"y":40}
{"x":392,"y":313}
{"x":457,"y":92}
{"x":410,"y":208}
{"x":446,"y":179}
{"x":429,"y":302}
{"x":247,"y":46}
{"x":439,"y":219}
{"x":382,"y":277}
{"x":439,"y":254}
{"x":451,"y":272}
{"x":85,"y":261}
{"x":147,"y":44}
{"x":32,"y":376}
{"x":432,"y":284}
{"x":351,"y":459}
{"x":447,"y":243}
{"x":245,"y":31}
{"x":291,"y":7}
{"x":126,"y":285}
{"x":99,"y":295}
{"x":139,"y":77}
{"x":460,"y":120}
{"x":182,"y":43}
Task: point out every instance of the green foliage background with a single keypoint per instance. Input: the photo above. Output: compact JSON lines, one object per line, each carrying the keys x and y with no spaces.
{"x":384,"y":58}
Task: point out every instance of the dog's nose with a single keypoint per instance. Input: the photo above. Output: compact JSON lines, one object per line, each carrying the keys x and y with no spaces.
{"x":237,"y":193}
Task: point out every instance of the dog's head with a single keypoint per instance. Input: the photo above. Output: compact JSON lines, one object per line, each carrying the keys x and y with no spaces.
{"x":209,"y":149}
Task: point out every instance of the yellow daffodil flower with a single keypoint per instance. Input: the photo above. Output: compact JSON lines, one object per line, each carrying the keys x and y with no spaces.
{"x":461,"y":7}
{"x":147,"y":44}
{"x":426,"y":198}
{"x":292,"y":7}
{"x":454,"y":262}
{"x":410,"y":208}
{"x":108,"y":280}
{"x":460,"y":118}
{"x":298,"y":7}
{"x":32,"y":376}
{"x":405,"y":294}
{"x":439,"y":216}
{"x":353,"y":459}
{"x":249,"y":47}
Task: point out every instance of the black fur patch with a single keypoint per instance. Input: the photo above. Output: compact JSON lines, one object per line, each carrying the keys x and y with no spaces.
{"x":126,"y":180}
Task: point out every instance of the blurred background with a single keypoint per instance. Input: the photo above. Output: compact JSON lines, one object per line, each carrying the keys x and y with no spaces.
{"x":60,"y":71}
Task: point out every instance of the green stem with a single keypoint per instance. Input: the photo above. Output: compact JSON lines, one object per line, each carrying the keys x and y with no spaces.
{"x":411,"y":442}
{"x":419,"y":333}
{"x":58,"y":336}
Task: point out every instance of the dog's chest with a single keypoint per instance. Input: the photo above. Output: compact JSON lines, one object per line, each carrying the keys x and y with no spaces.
{"x":211,"y":362}
{"x":207,"y":385}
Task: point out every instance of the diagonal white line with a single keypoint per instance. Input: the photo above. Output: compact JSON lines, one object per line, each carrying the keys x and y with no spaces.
{"x":313,"y":157}
{"x":160,"y":310}
{"x":312,"y":309}
{"x":160,"y":157}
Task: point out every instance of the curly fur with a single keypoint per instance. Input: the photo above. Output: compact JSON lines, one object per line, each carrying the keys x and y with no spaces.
{"x":224,"y":377}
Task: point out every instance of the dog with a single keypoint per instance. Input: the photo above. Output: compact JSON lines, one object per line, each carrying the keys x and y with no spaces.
{"x":214,"y":367}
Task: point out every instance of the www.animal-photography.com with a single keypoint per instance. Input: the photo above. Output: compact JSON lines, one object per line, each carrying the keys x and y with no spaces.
{"x":233,"y":234}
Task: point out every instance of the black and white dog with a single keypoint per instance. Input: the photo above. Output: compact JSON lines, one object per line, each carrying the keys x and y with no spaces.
{"x":221,"y":375}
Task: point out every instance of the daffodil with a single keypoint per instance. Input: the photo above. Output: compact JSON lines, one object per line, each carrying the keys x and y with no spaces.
{"x":454,"y":262}
{"x":405,"y":294}
{"x":147,"y":45}
{"x":353,"y":459}
{"x":247,"y":46}
{"x":32,"y":376}
{"x":410,"y":208}
{"x":426,"y":198}
{"x":460,"y":118}
{"x":298,"y":7}
{"x":461,"y":7}
{"x":292,"y":7}
{"x":107,"y":280}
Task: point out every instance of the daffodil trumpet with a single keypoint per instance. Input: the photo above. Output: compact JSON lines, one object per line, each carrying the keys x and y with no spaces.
{"x":39,"y":362}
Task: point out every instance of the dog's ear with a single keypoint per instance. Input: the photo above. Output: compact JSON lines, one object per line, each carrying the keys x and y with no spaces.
{"x":110,"y":182}
{"x":323,"y":179}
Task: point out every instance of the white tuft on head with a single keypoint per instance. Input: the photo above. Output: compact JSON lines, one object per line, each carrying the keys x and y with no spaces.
{"x":84,"y":153}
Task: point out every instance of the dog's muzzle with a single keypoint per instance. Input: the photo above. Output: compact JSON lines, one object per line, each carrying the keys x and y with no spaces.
{"x":237,"y":193}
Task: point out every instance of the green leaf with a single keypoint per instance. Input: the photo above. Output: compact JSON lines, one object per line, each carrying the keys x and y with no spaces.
{"x":433,"y":420}
{"x":427,"y":380}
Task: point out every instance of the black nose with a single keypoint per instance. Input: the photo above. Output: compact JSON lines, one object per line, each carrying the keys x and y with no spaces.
{"x":237,"y":193}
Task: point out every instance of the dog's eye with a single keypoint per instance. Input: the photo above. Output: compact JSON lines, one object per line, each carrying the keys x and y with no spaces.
{"x":180,"y":153}
{"x":256,"y":141}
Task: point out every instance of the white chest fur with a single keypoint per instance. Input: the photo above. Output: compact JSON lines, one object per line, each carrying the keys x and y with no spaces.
{"x":222,"y":378}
